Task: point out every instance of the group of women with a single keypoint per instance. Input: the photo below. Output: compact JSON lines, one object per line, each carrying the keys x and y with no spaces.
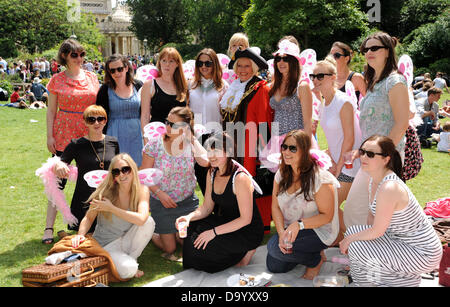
{"x":375,"y":228}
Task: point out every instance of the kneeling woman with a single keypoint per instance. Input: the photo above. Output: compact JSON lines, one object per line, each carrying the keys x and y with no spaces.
{"x":228,"y":228}
{"x":399,"y":243}
{"x":121,"y":207}
{"x":304,"y":209}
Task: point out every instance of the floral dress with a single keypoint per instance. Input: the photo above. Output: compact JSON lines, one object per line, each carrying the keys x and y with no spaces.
{"x":73,"y":97}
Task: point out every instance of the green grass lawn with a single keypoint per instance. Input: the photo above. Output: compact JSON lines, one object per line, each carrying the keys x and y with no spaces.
{"x":23,"y":203}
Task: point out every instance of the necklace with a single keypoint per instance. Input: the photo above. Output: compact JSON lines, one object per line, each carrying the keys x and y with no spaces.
{"x":102,"y":162}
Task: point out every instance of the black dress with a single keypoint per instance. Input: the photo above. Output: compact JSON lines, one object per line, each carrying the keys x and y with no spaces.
{"x":224,"y":250}
{"x":81,"y":151}
{"x":162,"y":103}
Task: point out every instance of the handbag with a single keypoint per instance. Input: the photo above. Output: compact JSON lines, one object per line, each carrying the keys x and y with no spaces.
{"x":413,"y":155}
{"x":444,"y":267}
{"x":264,"y":178}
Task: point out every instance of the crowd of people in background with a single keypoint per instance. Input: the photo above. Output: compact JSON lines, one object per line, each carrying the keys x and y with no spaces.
{"x":381,"y":227}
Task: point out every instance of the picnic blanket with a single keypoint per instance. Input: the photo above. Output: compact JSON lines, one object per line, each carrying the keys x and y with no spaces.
{"x":257,"y":268}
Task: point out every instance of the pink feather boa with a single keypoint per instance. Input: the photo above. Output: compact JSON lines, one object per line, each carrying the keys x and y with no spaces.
{"x":54,"y":194}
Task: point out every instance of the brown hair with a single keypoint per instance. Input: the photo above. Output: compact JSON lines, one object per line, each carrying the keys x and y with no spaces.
{"x":346,"y":49}
{"x":293,"y":77}
{"x":307,"y":167}
{"x":391,"y":62}
{"x":446,"y":127}
{"x":217,"y":70}
{"x":130,"y":73}
{"x":178,"y":75}
{"x":68,"y":46}
{"x":387,"y":147}
{"x":434,"y":91}
{"x":224,"y":142}
{"x":186,"y":115}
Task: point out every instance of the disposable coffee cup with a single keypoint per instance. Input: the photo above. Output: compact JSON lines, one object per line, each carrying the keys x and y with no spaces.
{"x":182,"y":229}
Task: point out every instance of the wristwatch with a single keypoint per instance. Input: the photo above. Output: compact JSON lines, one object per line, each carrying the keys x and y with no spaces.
{"x":300,"y":223}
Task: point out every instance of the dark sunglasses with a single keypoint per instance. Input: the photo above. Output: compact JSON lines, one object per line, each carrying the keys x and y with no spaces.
{"x":281,"y":58}
{"x":206,"y":63}
{"x":113,"y":70}
{"x":91,"y":120}
{"x":124,"y":170}
{"x":373,"y":49}
{"x":174,"y":125}
{"x":292,"y":148}
{"x":370,"y":154}
{"x":338,"y":55}
{"x":318,"y":76}
{"x":75,"y":55}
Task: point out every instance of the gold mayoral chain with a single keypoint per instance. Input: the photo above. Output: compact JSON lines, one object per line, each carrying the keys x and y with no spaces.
{"x":102,"y":162}
{"x":228,"y":112}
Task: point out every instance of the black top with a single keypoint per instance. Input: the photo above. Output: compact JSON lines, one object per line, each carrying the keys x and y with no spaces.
{"x":162,"y":103}
{"x":226,"y":208}
{"x":81,"y":151}
{"x":342,"y":89}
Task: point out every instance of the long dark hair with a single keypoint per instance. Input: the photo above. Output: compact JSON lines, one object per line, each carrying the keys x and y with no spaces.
{"x":130,"y":73}
{"x":308,"y":166}
{"x":391,"y":62}
{"x":293,"y":78}
{"x":387,"y":147}
{"x":217,"y":70}
{"x":224,"y":142}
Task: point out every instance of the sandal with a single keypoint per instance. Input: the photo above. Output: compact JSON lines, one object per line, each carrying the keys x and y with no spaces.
{"x":61,"y":234}
{"x":171,"y":257}
{"x":48,"y":240}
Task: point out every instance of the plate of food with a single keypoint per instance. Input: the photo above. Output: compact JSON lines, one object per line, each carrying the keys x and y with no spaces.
{"x":242,"y":280}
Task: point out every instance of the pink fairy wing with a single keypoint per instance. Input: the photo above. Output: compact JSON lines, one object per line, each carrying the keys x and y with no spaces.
{"x":350,"y":91}
{"x":223,"y":59}
{"x":321,"y":157}
{"x":146,"y":72}
{"x":154,"y":130}
{"x":95,"y":178}
{"x":242,"y":168}
{"x":189,"y":69}
{"x":308,"y":58}
{"x":405,"y":66}
{"x":150,"y":176}
{"x":271,"y":67}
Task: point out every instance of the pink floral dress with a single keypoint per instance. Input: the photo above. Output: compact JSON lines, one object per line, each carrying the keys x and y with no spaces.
{"x":179,"y":180}
{"x":73,"y":97}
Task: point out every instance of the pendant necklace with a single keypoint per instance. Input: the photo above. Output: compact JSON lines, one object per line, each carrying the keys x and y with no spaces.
{"x":102,"y":162}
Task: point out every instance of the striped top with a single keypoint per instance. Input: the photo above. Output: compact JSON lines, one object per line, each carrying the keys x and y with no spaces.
{"x":411,"y":226}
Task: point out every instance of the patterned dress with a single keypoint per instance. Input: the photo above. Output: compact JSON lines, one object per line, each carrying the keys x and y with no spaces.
{"x":408,"y":248}
{"x":288,"y":113}
{"x":73,"y":97}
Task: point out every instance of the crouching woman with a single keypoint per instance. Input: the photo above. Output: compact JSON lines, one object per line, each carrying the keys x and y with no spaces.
{"x":121,"y":207}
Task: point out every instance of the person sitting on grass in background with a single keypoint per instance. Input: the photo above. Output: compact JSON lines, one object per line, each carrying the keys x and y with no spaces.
{"x":428,"y":109}
{"x":20,"y":102}
{"x":443,"y":138}
{"x":120,"y":205}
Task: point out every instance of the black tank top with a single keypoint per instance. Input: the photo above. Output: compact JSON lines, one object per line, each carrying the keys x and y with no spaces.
{"x":342,"y":89}
{"x":162,"y":103}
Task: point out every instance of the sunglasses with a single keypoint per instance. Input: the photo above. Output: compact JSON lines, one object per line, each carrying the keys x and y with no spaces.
{"x":370,"y":154}
{"x":174,"y":125}
{"x":338,"y":55}
{"x":373,"y":49}
{"x":318,"y":76}
{"x":281,"y":58}
{"x":75,"y":55}
{"x":292,"y":148}
{"x":124,"y":170}
{"x":206,"y":63}
{"x":113,"y":70}
{"x":91,"y":120}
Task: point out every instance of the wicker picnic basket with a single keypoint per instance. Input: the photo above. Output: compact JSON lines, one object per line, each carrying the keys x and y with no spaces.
{"x":86,"y":272}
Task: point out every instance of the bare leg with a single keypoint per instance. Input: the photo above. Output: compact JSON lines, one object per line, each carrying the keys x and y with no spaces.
{"x":50,"y":221}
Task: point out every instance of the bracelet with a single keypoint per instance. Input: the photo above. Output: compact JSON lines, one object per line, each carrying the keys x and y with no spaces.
{"x":215,"y":233}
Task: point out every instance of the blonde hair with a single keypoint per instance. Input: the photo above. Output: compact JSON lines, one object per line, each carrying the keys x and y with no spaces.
{"x":236,"y":39}
{"x":255,"y":67}
{"x":109,"y":188}
{"x":178,"y":75}
{"x":330,"y":63}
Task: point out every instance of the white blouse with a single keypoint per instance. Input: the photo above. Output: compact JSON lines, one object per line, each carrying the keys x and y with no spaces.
{"x":204,"y":103}
{"x":295,"y":207}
